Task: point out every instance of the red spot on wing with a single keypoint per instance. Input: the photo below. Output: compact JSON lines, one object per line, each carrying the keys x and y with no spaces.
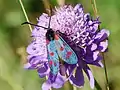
{"x":51,"y":54}
{"x":50,"y":62}
{"x":61,"y":48}
{"x":68,"y":54}
{"x":56,"y":37}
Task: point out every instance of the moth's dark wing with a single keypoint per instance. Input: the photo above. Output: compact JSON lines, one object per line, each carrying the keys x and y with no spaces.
{"x":53,"y":58}
{"x":64,"y":51}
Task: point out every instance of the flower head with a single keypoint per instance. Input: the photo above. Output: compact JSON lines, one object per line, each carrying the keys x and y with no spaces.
{"x":81,"y":33}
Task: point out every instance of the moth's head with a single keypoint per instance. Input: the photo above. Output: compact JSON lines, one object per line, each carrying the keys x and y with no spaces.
{"x":50,"y":35}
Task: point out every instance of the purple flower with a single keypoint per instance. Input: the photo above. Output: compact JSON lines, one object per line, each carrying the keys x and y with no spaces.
{"x":81,"y":33}
{"x":85,"y":39}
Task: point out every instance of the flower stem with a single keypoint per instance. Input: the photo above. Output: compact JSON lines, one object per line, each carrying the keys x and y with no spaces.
{"x":106,"y":75}
{"x":94,"y":6}
{"x":74,"y":88}
{"x":47,"y":5}
{"x":61,"y":2}
{"x":97,"y":85}
{"x":25,"y":14}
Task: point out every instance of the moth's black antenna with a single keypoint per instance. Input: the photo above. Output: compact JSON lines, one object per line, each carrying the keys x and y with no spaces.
{"x":50,"y":16}
{"x":38,"y":25}
{"x":33,"y":24}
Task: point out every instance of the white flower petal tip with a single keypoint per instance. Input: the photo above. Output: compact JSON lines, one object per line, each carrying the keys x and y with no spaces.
{"x":92,"y":82}
{"x":100,"y":63}
{"x":27,"y":65}
{"x":46,"y":86}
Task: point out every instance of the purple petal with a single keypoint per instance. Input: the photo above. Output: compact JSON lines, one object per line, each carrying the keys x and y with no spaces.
{"x":86,"y":17}
{"x":103,"y":45}
{"x":102,"y":35}
{"x":28,"y":66}
{"x":94,"y":28}
{"x":37,"y":59}
{"x":46,"y":86}
{"x":89,"y":58}
{"x":43,"y":71}
{"x":100,"y":63}
{"x":90,"y":76}
{"x":70,"y":69}
{"x":97,"y":63}
{"x":95,"y":55}
{"x":99,"y":58}
{"x":59,"y":82}
{"x":78,"y":9}
{"x":93,"y":47}
{"x":33,"y":48}
{"x":36,"y":48}
{"x":52,"y":77}
{"x":78,"y":80}
{"x":89,"y":54}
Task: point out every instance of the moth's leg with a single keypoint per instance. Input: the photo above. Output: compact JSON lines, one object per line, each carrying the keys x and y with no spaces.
{"x":58,"y":32}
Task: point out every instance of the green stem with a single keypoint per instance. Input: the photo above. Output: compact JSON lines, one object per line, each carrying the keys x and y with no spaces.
{"x":94,"y":6}
{"x":74,"y":88}
{"x":25,"y":14}
{"x":97,"y":85}
{"x":106,"y":75}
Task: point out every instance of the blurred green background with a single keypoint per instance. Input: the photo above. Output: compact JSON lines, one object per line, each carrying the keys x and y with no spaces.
{"x":14,"y":39}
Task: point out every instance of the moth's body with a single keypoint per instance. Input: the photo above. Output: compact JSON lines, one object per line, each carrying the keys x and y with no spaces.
{"x":58,"y":50}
